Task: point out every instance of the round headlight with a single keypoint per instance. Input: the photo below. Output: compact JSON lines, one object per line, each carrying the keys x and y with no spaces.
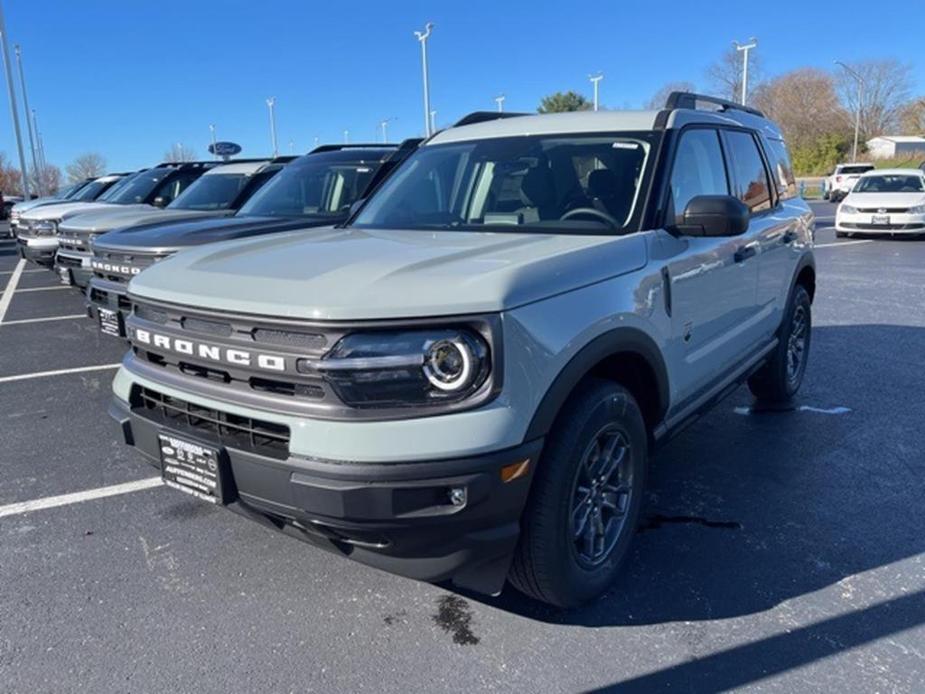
{"x":448,"y":364}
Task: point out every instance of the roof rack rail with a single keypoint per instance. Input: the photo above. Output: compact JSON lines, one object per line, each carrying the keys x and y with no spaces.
{"x":690,"y":100}
{"x":356,"y":145}
{"x":483,"y":116}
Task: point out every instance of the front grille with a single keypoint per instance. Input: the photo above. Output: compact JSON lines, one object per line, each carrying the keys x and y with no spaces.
{"x":883,"y":210}
{"x":234,"y":431}
{"x":65,"y":261}
{"x":884,"y":227}
{"x":101,"y":296}
{"x":138,"y":260}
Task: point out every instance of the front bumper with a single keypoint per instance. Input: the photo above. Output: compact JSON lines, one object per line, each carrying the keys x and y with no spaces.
{"x":74,"y":267}
{"x":112,"y":296}
{"x":393,"y":516}
{"x":867,"y":223}
{"x":38,"y":249}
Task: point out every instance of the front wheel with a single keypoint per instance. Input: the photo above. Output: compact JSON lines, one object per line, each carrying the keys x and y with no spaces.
{"x":586,"y":498}
{"x":780,"y":378}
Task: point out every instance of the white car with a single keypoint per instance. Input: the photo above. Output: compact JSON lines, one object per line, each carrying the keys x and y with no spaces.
{"x":887,"y":201}
{"x":840,"y":182}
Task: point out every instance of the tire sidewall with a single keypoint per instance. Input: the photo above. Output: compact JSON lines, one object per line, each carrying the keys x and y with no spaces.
{"x":799,"y":297}
{"x":609,"y":404}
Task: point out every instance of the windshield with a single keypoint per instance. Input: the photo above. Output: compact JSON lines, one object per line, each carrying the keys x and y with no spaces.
{"x":313,"y":188}
{"x":93,"y":189}
{"x":855,"y":169}
{"x":139,"y":187}
{"x":549,"y":184}
{"x":68,"y":191}
{"x":900,"y":183}
{"x":212,"y":192}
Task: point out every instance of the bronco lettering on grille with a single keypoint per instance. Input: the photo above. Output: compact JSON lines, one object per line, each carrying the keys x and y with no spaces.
{"x":113,"y":267}
{"x":229,"y":355}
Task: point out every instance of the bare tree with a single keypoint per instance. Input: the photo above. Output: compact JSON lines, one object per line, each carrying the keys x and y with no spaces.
{"x":661,"y":96}
{"x":725,"y":75}
{"x":10,"y":178}
{"x":912,"y":117}
{"x":90,"y":165}
{"x":885,"y":94}
{"x":45,"y":180}
{"x":805,"y":105}
{"x":180,"y":152}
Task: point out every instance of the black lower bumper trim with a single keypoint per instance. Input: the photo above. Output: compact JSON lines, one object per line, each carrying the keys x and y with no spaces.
{"x":399,"y":517}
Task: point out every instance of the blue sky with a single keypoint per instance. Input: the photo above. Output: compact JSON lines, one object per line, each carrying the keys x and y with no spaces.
{"x":128,"y":79}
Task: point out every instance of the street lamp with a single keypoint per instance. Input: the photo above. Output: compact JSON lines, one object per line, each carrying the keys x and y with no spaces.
{"x":433,"y":121}
{"x":595,"y":80}
{"x":745,"y":48}
{"x":500,"y":101}
{"x":271,"y":103}
{"x":212,"y":133}
{"x":39,"y":177}
{"x":384,"y":124}
{"x":346,"y":137}
{"x":422,"y":37}
{"x":13,"y":109}
{"x":857,"y":117}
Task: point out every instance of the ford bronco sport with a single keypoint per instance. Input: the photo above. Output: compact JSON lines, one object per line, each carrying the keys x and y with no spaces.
{"x":465,"y":381}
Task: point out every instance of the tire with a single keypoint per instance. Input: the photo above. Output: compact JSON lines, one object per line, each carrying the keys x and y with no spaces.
{"x":548,"y":564}
{"x":779,"y":380}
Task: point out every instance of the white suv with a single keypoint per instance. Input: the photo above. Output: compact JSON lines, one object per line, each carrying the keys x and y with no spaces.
{"x":840,"y":182}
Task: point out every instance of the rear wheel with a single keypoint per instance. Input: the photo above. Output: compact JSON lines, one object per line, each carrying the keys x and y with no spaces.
{"x":780,"y":378}
{"x":586,"y":498}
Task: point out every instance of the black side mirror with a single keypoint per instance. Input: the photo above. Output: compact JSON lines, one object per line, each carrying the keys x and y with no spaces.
{"x":714,"y":215}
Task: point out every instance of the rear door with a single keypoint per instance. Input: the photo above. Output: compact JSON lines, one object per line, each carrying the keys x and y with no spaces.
{"x":712,"y":282}
{"x":771,"y":231}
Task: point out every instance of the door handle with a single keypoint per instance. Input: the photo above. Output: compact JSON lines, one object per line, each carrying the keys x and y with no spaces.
{"x":745,"y":252}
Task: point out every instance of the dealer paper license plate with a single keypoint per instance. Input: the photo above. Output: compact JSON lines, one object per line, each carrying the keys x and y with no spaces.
{"x":191,"y":467}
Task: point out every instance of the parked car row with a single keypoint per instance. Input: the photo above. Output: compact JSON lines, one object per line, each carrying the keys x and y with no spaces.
{"x":449,"y":359}
{"x":884,"y":202}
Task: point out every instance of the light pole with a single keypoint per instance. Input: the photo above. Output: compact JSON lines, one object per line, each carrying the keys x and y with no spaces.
{"x":745,"y":48}
{"x":384,"y":124}
{"x":291,"y":146}
{"x":271,"y":103}
{"x":40,"y":145}
{"x":857,"y":117}
{"x":596,"y":80}
{"x":433,"y":121}
{"x":212,"y":133}
{"x":25,"y":102}
{"x":422,"y":37}
{"x":346,"y":137}
{"x":317,"y":139}
{"x":13,"y":109}
{"x":500,"y":101}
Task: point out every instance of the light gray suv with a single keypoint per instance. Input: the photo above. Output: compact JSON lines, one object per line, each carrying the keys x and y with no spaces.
{"x":465,"y":381}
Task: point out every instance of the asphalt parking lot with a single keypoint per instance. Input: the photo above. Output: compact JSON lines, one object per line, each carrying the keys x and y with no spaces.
{"x":779,"y":552}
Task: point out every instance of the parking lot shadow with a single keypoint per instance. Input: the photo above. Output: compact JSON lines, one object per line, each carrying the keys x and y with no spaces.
{"x":745,"y":511}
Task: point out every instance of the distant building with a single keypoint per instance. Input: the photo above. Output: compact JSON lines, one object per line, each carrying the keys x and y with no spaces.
{"x":896,"y":146}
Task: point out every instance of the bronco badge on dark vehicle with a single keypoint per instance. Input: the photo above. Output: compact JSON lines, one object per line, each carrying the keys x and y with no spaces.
{"x":465,"y":381}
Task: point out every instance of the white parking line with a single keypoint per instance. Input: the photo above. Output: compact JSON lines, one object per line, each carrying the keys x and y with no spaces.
{"x":10,"y":288}
{"x":842,"y":243}
{"x":77,"y":497}
{"x":22,"y":321}
{"x":42,"y":289}
{"x":57,"y":372}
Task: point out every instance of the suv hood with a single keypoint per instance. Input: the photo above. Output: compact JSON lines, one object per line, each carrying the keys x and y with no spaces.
{"x":63,"y":210}
{"x":170,"y":237}
{"x":27,"y":205}
{"x":352,"y":274}
{"x":100,"y":221}
{"x":887,"y":200}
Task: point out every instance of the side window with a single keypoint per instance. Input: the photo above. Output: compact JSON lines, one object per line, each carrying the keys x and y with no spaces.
{"x":783,"y":169}
{"x":751,"y":179}
{"x":176,"y":185}
{"x":698,"y":169}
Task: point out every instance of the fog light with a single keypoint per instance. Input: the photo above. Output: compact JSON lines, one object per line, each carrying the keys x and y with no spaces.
{"x":457,"y":496}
